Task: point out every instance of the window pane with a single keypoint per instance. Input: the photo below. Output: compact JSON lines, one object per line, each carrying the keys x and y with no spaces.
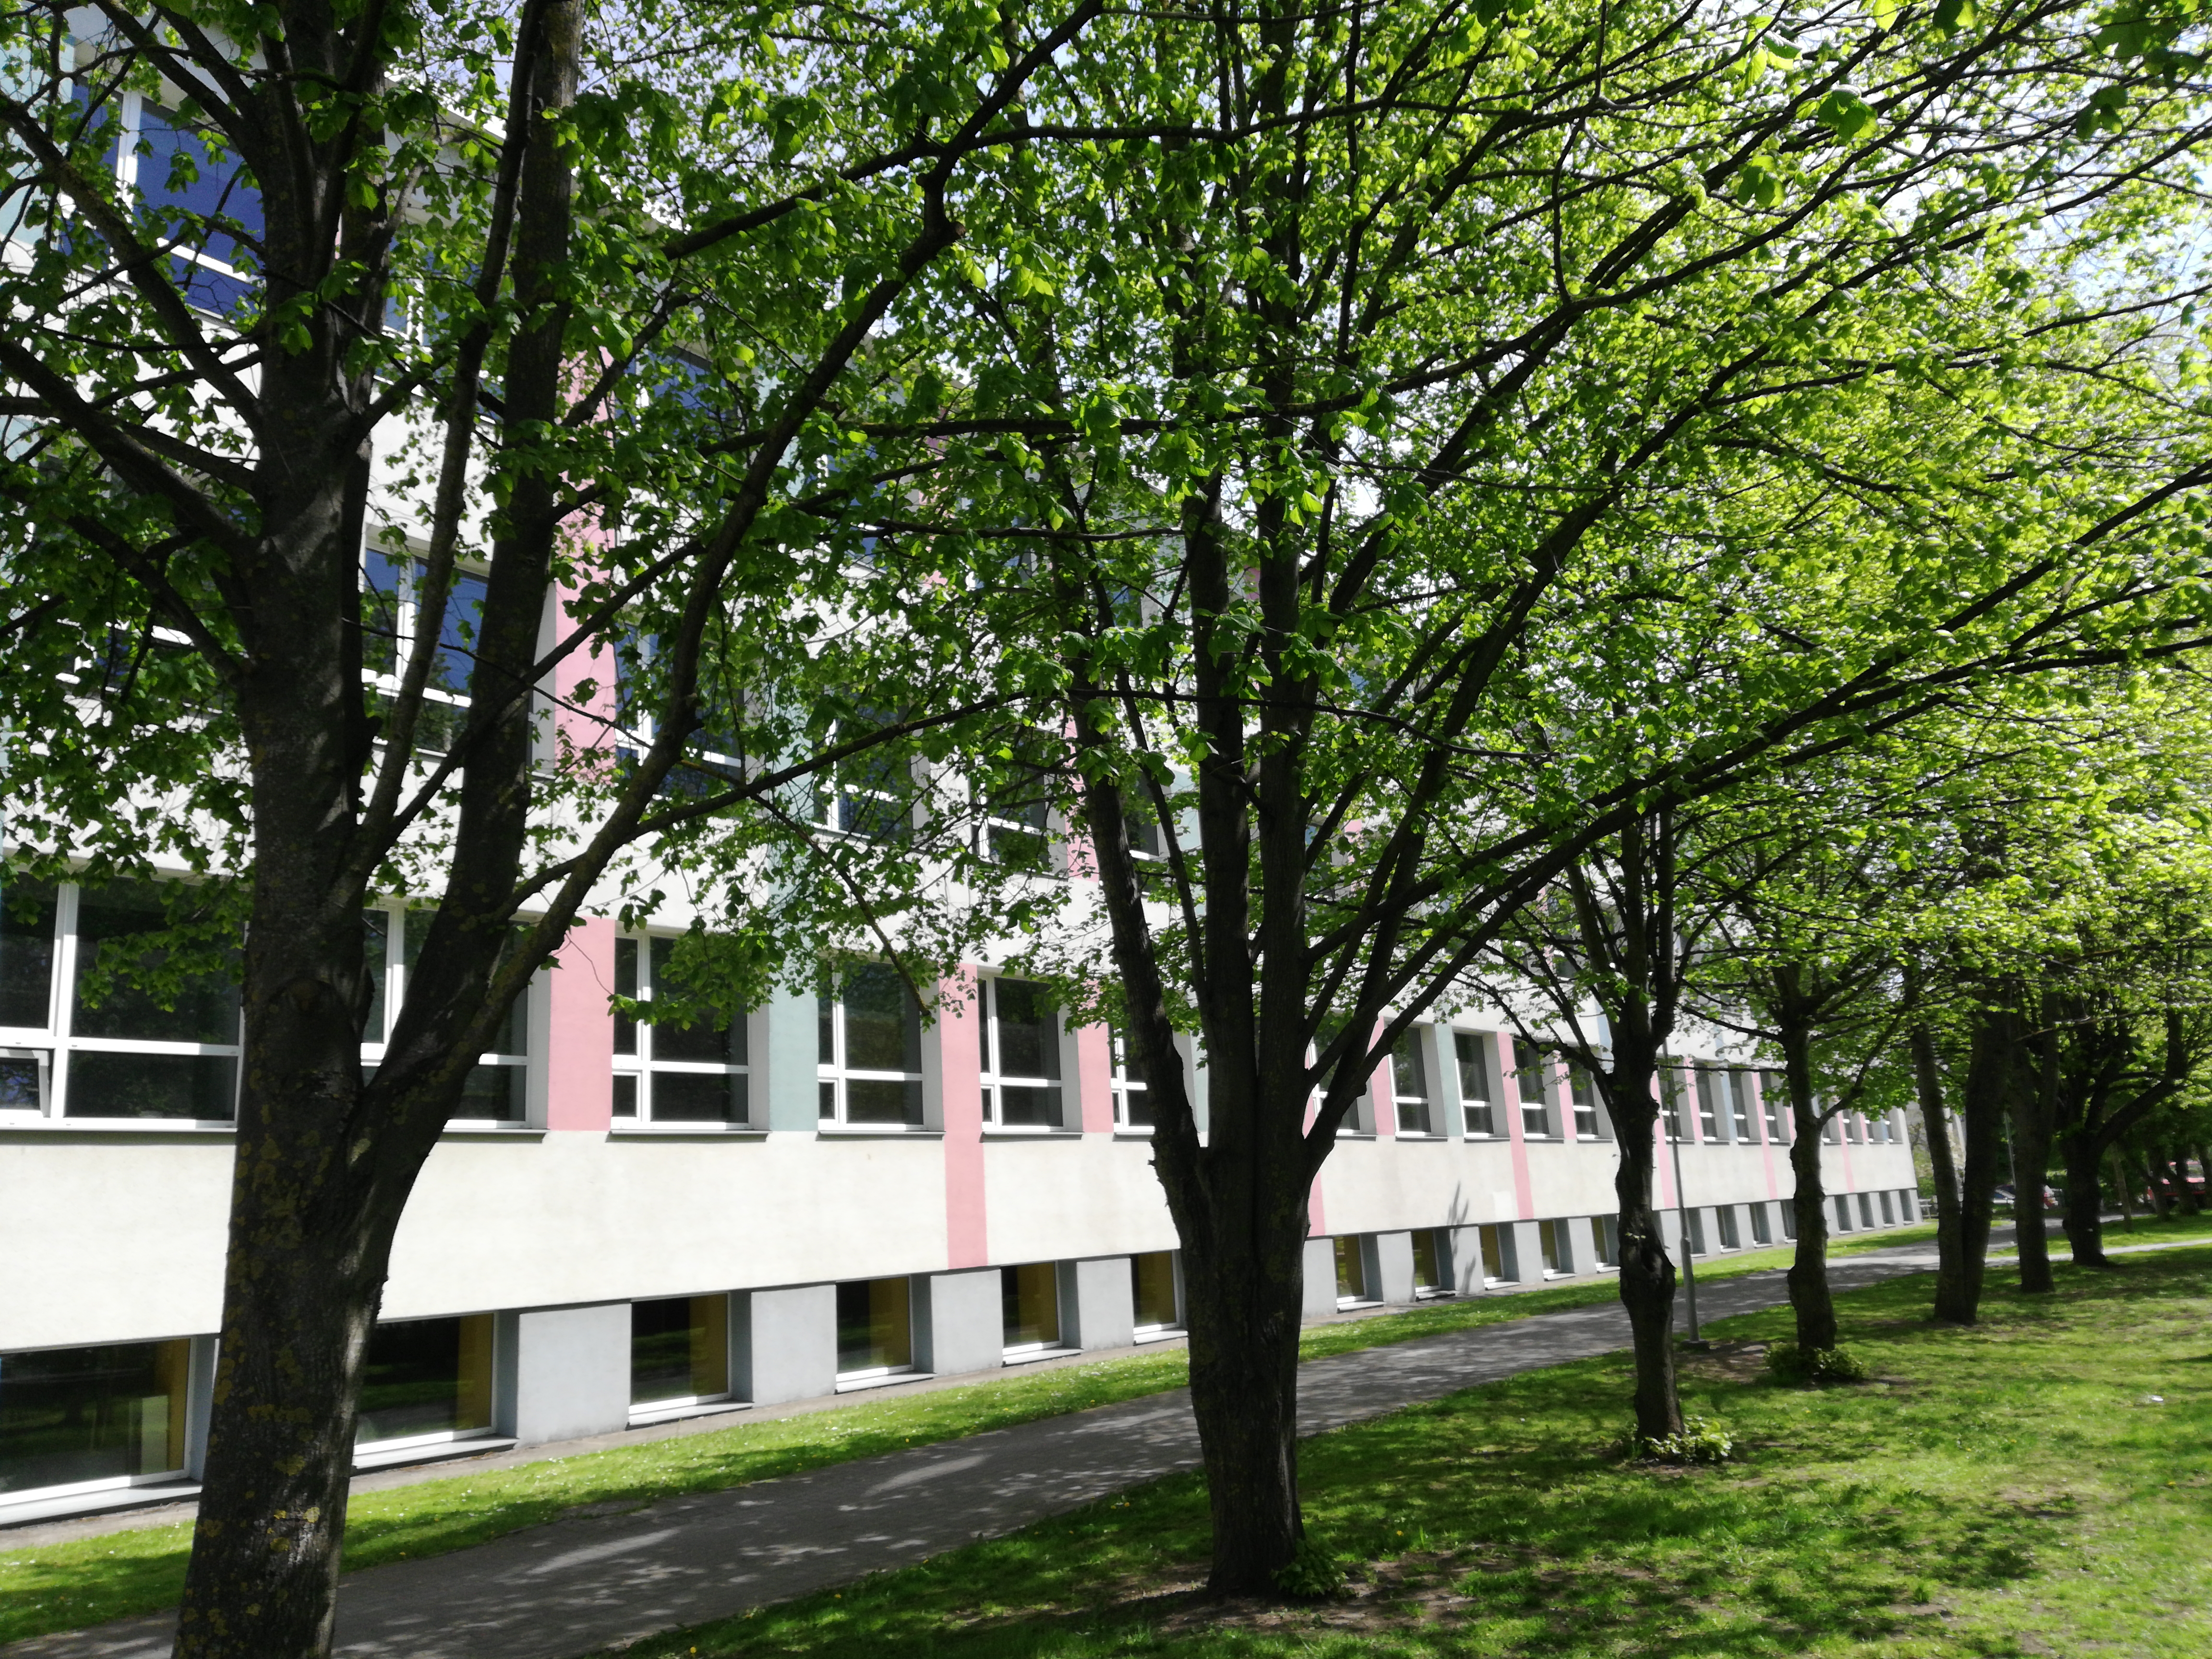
{"x":27,"y":952}
{"x":1029,"y":1030}
{"x":202,"y":1086}
{"x":455,"y":662}
{"x":178,"y":172}
{"x":716,"y":1036}
{"x":1151,"y":1283}
{"x":1030,"y":1299}
{"x":426,"y":1376}
{"x":494,"y":1091}
{"x":870,"y":1101}
{"x":1427,"y":1276}
{"x":698,"y":1097}
{"x":882,"y":1022}
{"x":376,"y":926}
{"x":1408,"y":1075}
{"x":1351,"y":1269}
{"x":203,"y":1007}
{"x":1137,"y":1107}
{"x":678,"y":1348}
{"x":625,"y":986}
{"x":1029,"y":1106}
{"x":69,"y":1415}
{"x":875,"y":1328}
{"x":381,"y":575}
{"x":625,"y":1094}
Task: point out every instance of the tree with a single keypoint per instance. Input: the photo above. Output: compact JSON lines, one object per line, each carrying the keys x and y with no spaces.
{"x":480,"y":265}
{"x":1317,"y":498}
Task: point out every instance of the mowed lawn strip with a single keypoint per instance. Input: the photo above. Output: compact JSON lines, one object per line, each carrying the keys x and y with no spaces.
{"x":69,"y":1586}
{"x":2039,"y":1483}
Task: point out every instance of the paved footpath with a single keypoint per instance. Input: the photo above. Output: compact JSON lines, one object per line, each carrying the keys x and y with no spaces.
{"x":576,"y":1586}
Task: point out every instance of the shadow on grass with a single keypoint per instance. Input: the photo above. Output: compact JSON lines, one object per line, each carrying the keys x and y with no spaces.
{"x":1913,"y":1510}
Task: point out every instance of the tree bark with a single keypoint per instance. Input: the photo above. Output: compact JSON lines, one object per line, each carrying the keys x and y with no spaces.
{"x":2034,"y":1107}
{"x":316,"y":1193}
{"x":1647,"y":1274}
{"x":2084,"y":1153}
{"x":1991,"y":1055}
{"x":1927,"y":1082}
{"x":1810,"y":1296}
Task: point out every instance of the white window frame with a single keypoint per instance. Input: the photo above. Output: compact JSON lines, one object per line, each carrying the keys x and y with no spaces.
{"x":832,"y":1075}
{"x":1741,"y":1129}
{"x":1484,"y":1045}
{"x":640,"y":1065}
{"x":1126,"y":1087}
{"x":396,"y":916}
{"x":132,"y":129}
{"x":1583,"y":1097}
{"x":1543,"y":1067}
{"x":406,"y":611}
{"x":1711,"y":1129}
{"x":1412,"y":1048}
{"x":994,"y":1081}
{"x":51,"y":1046}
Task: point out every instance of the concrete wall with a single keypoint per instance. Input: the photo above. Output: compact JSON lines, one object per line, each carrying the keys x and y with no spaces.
{"x":788,"y":1347}
{"x":562,"y":1372}
{"x":967,"y":1322}
{"x":1102,"y":1311}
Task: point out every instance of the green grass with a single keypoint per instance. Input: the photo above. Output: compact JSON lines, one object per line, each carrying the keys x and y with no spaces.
{"x":2007,"y":1490}
{"x":71,"y":1585}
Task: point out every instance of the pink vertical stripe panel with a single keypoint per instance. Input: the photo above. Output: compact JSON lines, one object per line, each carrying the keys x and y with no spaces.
{"x":1766,"y":1141}
{"x":1383,"y":1090}
{"x":1524,"y":1189}
{"x":967,"y":1241}
{"x":579,"y":1048}
{"x":1094,"y":1079}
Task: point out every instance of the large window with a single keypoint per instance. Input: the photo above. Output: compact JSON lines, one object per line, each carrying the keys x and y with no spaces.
{"x":1581,"y":1089}
{"x":1559,"y":1247}
{"x":1711,"y":1110}
{"x":394,"y":592}
{"x":1355,"y":1283}
{"x":1606,"y":1231}
{"x":194,"y":201}
{"x":875,"y":1328}
{"x":1500,"y":1262}
{"x":1020,"y":1036}
{"x":497,"y":1087}
{"x":1152,"y":1290}
{"x":1409,"y":1081}
{"x":870,"y":1049}
{"x":1028,"y":1300}
{"x":679,"y":1351}
{"x":99,"y":1022}
{"x":426,"y":1379}
{"x":1471,"y":1049}
{"x":1431,"y":1263}
{"x":1740,"y":1101}
{"x":82,"y":1419}
{"x":1532,"y":1069}
{"x":1133,"y":1095}
{"x":682,"y":1070}
{"x":1772,"y":1092}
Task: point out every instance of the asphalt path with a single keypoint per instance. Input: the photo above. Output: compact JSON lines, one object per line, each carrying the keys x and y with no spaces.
{"x":589,"y":1582}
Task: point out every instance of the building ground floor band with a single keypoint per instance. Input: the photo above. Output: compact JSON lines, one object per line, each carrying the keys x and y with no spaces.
{"x":85,"y":1428}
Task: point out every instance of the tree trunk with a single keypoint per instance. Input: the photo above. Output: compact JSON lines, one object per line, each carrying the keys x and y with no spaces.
{"x":1810,"y":1296}
{"x":317,"y":1189}
{"x":1991,"y":1056}
{"x":2033,"y":1101}
{"x":1244,"y":1308}
{"x":2084,"y":1212}
{"x":1647,"y":1275}
{"x":1927,"y":1082}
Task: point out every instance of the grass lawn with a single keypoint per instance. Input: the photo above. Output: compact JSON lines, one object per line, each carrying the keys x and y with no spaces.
{"x":2041,"y":1484}
{"x":69,"y":1586}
